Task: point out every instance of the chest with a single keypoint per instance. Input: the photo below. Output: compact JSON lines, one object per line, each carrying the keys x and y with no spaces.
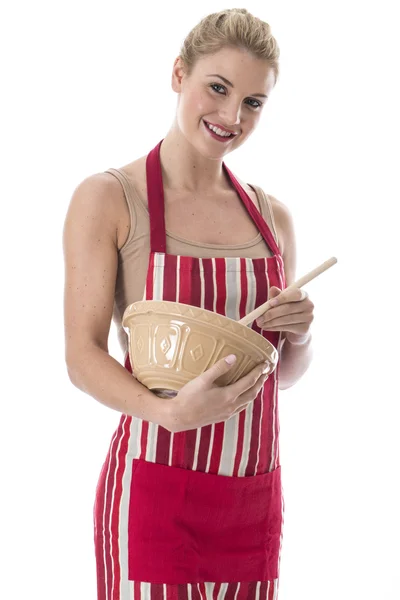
{"x":214,"y":218}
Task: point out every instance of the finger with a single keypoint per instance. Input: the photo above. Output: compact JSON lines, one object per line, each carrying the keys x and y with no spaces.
{"x":298,"y":329}
{"x":289,"y":295}
{"x":220,"y":368}
{"x":292,"y":319}
{"x":281,"y":311}
{"x":247,"y":382}
{"x":250,"y":395}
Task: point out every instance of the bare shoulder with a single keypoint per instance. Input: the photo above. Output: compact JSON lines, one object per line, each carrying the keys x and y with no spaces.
{"x":102,"y":189}
{"x":104,"y":195}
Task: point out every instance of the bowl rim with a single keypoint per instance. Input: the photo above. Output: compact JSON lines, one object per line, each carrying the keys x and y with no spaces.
{"x":168,"y":306}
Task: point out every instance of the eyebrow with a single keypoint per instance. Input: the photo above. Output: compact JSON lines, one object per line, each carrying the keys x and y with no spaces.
{"x":231,"y":84}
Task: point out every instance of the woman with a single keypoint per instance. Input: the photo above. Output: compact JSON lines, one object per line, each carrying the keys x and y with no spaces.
{"x":189,"y":501}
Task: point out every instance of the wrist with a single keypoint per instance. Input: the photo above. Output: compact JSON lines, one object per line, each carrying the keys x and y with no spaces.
{"x":167,"y":415}
{"x":158,"y":407}
{"x":297,"y":339}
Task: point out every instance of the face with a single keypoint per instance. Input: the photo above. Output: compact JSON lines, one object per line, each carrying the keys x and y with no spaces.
{"x":228,"y":89}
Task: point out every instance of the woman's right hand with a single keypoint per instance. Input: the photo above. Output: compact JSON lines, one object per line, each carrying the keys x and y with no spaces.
{"x":201,"y":402}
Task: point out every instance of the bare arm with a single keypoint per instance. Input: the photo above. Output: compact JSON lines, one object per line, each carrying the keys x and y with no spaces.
{"x":90,"y":245}
{"x":296,"y":354}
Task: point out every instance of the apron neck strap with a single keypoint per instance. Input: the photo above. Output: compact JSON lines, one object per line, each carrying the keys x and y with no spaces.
{"x":254,"y":213}
{"x":155,"y":199}
{"x":156,"y":203}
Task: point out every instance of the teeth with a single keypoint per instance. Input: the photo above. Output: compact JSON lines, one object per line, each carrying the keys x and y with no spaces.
{"x":218,"y":131}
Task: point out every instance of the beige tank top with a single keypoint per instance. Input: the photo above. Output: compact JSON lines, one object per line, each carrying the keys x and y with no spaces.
{"x":133,"y":257}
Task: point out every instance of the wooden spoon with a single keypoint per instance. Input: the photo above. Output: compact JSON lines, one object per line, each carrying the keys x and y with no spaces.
{"x":254,"y":314}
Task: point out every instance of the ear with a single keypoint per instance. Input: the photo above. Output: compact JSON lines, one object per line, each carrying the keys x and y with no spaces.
{"x":177,"y":75}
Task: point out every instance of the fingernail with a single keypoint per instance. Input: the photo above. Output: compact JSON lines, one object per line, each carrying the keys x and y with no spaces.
{"x":230,"y":359}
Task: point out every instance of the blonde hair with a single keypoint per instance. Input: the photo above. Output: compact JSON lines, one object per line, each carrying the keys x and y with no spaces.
{"x":234,"y":27}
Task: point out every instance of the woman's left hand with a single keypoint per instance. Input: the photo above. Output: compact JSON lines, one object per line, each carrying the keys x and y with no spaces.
{"x":292,"y":314}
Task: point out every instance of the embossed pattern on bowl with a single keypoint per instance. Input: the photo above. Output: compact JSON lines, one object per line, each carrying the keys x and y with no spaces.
{"x":171,"y":343}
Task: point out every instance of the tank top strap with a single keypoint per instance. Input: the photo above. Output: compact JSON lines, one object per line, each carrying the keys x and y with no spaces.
{"x":129,"y":197}
{"x":266,"y":210}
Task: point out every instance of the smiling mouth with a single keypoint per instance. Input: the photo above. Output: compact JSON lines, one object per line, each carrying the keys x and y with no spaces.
{"x":216,"y":135}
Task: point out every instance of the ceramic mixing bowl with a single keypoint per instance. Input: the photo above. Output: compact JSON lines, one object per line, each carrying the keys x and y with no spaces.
{"x":171,"y":343}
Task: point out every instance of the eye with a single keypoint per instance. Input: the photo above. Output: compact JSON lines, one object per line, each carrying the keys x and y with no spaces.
{"x":214,"y":85}
{"x":258,"y":104}
{"x":217,"y":85}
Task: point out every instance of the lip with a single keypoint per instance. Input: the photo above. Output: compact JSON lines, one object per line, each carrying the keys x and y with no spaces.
{"x":222,"y":140}
{"x":221,"y":127}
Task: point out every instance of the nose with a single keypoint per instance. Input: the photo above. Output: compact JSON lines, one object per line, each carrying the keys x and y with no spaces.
{"x":230,"y":114}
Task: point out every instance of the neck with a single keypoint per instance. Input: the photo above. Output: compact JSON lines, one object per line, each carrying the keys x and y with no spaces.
{"x":185,"y":169}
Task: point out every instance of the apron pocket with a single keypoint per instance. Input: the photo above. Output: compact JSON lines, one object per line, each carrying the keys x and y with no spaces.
{"x":189,"y":527}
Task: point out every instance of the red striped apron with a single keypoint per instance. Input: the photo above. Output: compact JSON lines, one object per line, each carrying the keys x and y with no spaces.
{"x":196,"y":514}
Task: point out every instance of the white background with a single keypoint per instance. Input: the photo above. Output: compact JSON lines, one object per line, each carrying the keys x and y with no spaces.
{"x":86,"y":86}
